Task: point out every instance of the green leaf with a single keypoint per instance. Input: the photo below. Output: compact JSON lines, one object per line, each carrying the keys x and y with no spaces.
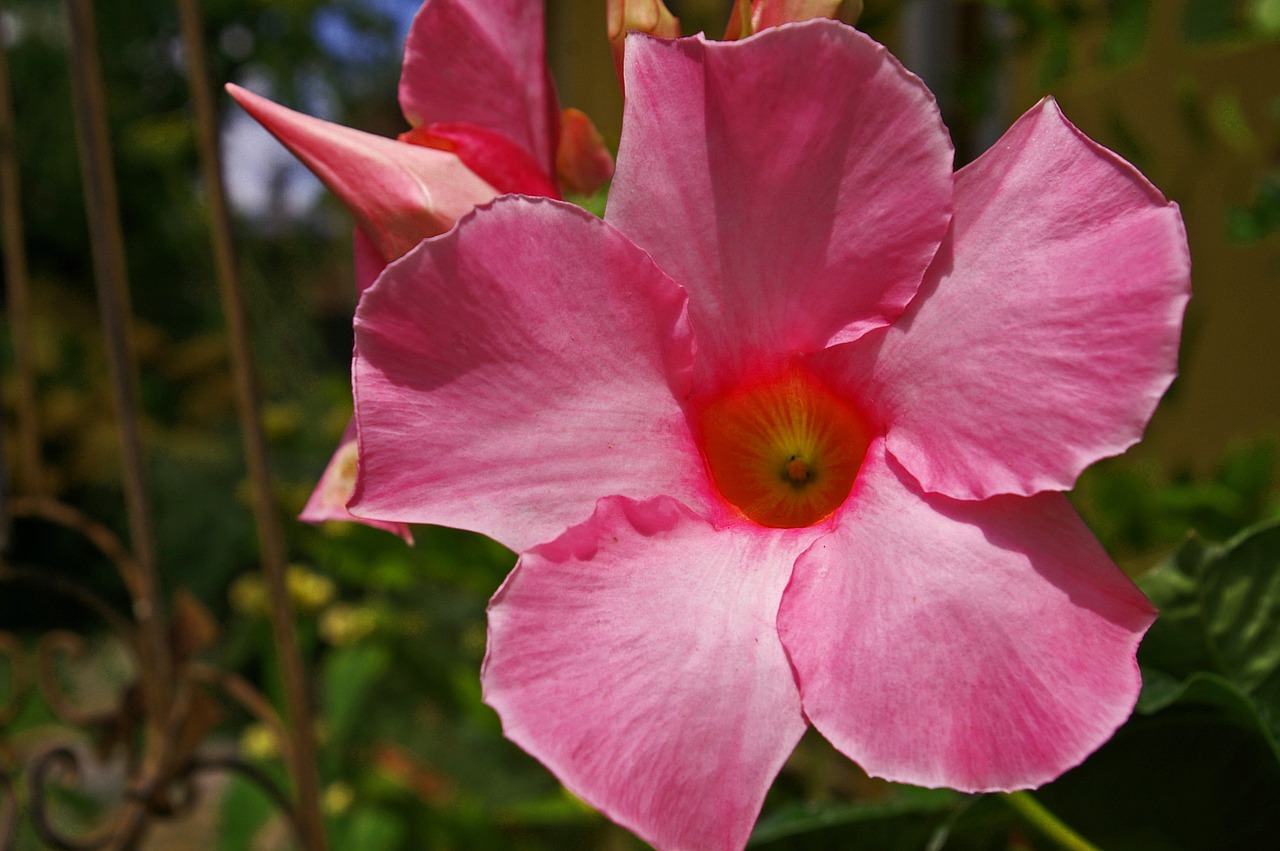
{"x":1126,"y":30}
{"x":801,"y":819}
{"x":593,"y":204}
{"x":1266,"y":17}
{"x":1205,"y":689}
{"x":1261,"y":216}
{"x":1195,"y":776}
{"x":1210,"y":20}
{"x":244,"y":810}
{"x":350,"y":673}
{"x":1220,"y":615}
{"x":370,"y":829}
{"x":1057,"y":57}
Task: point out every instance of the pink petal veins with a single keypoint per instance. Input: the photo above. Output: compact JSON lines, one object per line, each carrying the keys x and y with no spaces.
{"x":982,"y":646}
{"x":513,"y":371}
{"x":636,"y":656}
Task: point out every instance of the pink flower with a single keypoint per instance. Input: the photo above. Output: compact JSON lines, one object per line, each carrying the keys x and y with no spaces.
{"x":780,"y":441}
{"x":484,"y":120}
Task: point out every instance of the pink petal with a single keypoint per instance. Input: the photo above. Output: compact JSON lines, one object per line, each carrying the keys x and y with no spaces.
{"x":515,"y":370}
{"x":636,"y":656}
{"x":494,"y":158}
{"x":978,"y":645}
{"x":329,"y":499}
{"x":398,"y":193}
{"x":796,"y":184}
{"x":1046,"y":331}
{"x":482,"y":63}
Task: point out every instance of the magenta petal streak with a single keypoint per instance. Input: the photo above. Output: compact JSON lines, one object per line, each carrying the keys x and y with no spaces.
{"x":982,"y":646}
{"x":637,"y":657}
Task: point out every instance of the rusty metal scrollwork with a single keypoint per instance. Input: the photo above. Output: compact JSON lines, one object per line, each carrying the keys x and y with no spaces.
{"x":161,"y":755}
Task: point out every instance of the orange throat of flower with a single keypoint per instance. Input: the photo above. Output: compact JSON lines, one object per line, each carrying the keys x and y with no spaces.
{"x":783,"y":450}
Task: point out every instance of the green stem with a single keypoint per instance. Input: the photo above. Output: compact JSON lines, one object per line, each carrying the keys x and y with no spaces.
{"x":1034,"y":813}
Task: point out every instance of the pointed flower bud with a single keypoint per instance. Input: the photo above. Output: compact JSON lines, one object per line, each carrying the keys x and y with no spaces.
{"x":397,"y":193}
{"x":583,"y":162}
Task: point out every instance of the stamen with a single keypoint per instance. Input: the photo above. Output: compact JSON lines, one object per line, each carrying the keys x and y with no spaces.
{"x":784,"y":449}
{"x":798,"y":471}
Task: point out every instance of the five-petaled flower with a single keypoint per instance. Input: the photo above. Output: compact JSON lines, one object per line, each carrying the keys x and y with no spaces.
{"x":782,"y":439}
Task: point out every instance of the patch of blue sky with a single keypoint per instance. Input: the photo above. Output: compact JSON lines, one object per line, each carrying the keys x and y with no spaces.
{"x":341,"y":36}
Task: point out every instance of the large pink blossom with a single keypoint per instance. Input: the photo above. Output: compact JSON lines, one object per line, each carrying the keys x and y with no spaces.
{"x":484,"y":120}
{"x":781,"y":440}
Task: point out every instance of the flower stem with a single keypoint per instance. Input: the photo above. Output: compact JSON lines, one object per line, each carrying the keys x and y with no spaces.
{"x":1034,"y":814}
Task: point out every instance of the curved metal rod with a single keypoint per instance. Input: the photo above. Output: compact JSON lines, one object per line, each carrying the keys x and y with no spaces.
{"x":65,"y":759}
{"x":8,"y":812}
{"x":259,"y":777}
{"x":242,"y":692}
{"x":149,"y":787}
{"x":103,"y":609}
{"x":45,"y":678}
{"x":271,"y":546}
{"x":50,"y":645}
{"x":19,"y":680}
{"x":102,"y":538}
{"x":17,"y":289}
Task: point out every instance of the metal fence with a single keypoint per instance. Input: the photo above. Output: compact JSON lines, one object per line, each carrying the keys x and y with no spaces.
{"x":165,"y":715}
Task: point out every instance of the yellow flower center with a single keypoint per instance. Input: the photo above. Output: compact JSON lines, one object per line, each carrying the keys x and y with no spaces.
{"x":783,"y":450}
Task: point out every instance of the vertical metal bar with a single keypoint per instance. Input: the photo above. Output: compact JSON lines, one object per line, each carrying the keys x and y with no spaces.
{"x":107,"y":244}
{"x":302,"y":750}
{"x":940,"y":39}
{"x":17,"y":287}
{"x":929,"y":46}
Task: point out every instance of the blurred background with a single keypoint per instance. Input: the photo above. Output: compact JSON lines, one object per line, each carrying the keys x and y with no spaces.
{"x":1187,"y":90}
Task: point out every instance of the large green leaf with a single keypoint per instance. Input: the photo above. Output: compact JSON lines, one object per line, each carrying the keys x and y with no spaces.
{"x":910,"y":811}
{"x":1197,"y":767}
{"x":1198,"y":775}
{"x":1219,"y":615}
{"x":244,"y":810}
